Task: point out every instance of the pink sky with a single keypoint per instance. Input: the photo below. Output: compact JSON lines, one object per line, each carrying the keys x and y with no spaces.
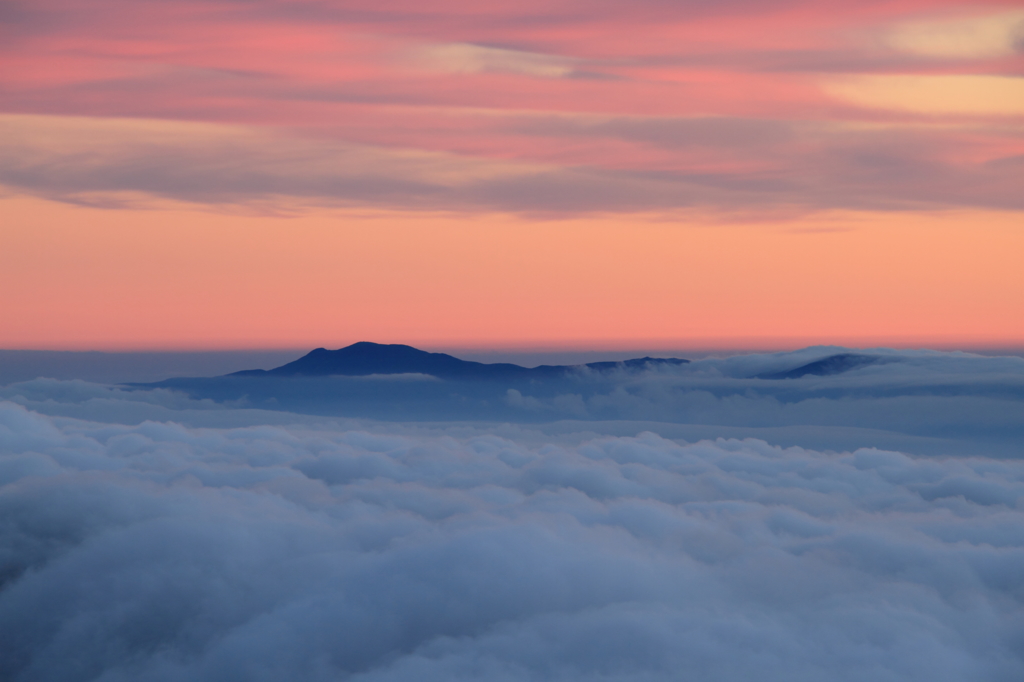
{"x":286,"y":173}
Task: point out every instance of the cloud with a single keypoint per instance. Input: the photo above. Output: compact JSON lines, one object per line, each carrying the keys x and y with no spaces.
{"x":977,"y":95}
{"x":164,"y":552}
{"x":469,"y":58}
{"x":223,"y":163}
{"x":927,"y":403}
{"x":979,"y":37}
{"x":713,"y":162}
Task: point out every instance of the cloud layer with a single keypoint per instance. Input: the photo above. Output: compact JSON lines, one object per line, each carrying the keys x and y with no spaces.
{"x":555,"y":107}
{"x":721,"y":163}
{"x":171,"y":553}
{"x":921,"y":402}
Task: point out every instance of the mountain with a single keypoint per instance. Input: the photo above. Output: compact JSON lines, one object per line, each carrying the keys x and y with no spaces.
{"x":365,"y":358}
{"x":833,"y":364}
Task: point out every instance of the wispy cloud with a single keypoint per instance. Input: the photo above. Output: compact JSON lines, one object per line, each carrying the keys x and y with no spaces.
{"x":460,"y":106}
{"x":711,"y":162}
{"x":469,"y":58}
{"x":971,"y":37}
{"x":222,"y":164}
{"x":971,"y":95}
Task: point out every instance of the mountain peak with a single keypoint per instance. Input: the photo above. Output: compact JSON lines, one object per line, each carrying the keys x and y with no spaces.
{"x":366,"y":357}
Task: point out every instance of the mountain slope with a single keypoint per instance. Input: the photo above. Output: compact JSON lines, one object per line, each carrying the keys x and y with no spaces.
{"x":829,"y":366}
{"x":365,"y":358}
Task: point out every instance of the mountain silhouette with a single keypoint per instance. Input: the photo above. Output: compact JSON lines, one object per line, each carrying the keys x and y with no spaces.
{"x":833,"y":364}
{"x":365,"y":358}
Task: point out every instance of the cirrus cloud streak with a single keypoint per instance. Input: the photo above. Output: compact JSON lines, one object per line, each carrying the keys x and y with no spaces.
{"x":731,"y":164}
{"x":537,"y":107}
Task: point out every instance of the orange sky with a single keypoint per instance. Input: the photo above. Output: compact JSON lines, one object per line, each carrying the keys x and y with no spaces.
{"x":567,"y":173}
{"x":80,"y":277}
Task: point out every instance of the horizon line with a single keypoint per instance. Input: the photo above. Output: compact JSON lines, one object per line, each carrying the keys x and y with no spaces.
{"x":705,"y":344}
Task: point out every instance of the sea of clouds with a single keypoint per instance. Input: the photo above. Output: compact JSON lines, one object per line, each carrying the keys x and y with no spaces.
{"x":918,"y":402}
{"x":147,"y":534}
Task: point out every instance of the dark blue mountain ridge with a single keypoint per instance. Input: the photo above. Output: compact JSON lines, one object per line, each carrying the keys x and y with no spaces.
{"x":828,"y":366}
{"x":365,"y":358}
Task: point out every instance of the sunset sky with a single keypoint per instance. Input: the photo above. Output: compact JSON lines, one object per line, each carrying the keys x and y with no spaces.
{"x":177,"y":174}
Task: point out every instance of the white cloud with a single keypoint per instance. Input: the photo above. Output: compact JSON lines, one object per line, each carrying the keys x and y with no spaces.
{"x":164,"y":552}
{"x":978,"y":37}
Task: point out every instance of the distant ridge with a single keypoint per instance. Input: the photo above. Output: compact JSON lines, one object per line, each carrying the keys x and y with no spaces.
{"x":833,"y":364}
{"x":365,"y":358}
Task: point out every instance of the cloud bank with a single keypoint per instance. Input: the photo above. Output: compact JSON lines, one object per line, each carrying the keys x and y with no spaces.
{"x":920,"y":402}
{"x":164,"y":552}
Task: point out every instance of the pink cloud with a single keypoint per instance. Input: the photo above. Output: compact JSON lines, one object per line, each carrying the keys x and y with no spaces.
{"x":591,"y":86}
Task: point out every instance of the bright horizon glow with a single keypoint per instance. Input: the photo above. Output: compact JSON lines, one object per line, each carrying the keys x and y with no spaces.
{"x":206,"y":280}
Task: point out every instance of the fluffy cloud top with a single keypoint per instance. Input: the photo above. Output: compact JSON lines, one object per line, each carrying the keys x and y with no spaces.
{"x":167,"y":553}
{"x":163,"y":552}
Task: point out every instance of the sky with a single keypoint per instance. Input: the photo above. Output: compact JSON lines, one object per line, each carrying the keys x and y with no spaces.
{"x":185,"y":175}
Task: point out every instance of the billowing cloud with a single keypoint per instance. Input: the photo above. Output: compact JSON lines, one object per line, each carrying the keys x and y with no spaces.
{"x":164,"y":552}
